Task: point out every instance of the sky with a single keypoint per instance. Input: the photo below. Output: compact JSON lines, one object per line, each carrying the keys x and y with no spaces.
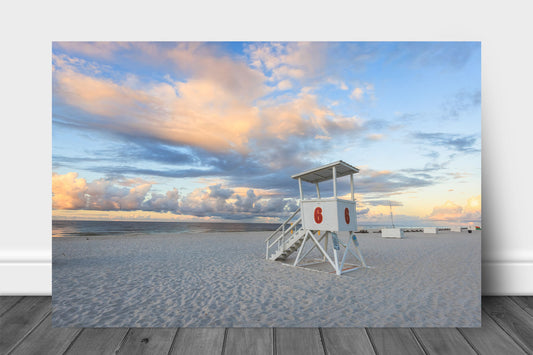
{"x":191,"y":131}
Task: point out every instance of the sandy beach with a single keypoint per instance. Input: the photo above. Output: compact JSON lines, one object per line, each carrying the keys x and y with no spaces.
{"x":223,"y":280}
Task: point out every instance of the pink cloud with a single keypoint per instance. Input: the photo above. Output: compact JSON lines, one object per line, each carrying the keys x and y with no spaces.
{"x":68,"y":191}
{"x":453,"y":212}
{"x":73,"y":193}
{"x":217,"y":109}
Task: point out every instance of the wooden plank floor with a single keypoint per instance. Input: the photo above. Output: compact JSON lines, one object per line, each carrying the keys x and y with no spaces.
{"x":25,"y":328}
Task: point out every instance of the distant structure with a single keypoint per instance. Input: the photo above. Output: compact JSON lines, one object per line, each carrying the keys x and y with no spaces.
{"x":391,"y":219}
{"x":318,"y":222}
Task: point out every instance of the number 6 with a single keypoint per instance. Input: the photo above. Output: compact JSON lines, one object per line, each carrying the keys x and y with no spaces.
{"x":318,"y":215}
{"x":347,"y":215}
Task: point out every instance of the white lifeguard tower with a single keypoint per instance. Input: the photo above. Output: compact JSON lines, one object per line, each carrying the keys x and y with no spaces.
{"x":321,"y":222}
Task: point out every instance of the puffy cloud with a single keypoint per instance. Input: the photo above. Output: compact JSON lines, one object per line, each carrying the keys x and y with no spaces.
{"x":169,"y":202}
{"x":472,"y":210}
{"x":339,"y":83}
{"x":218,"y":107}
{"x":304,"y":117}
{"x":297,"y":60}
{"x":120,"y":194}
{"x":446,"y":212}
{"x":212,"y":110}
{"x":284,"y":85}
{"x":109,"y":194}
{"x":453,"y":212}
{"x":218,"y":201}
{"x":199,"y":112}
{"x":68,"y":191}
{"x":366,"y":90}
{"x":203,"y":63}
{"x":357,"y":94}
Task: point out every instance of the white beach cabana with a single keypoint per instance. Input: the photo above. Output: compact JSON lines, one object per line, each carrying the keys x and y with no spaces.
{"x":318,"y":223}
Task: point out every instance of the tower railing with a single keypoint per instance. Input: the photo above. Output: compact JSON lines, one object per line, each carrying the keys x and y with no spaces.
{"x":283,"y":230}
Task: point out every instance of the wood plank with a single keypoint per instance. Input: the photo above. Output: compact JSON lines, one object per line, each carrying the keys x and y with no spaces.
{"x":296,"y":341}
{"x":45,"y":340}
{"x":490,"y":339}
{"x":443,"y":341}
{"x":98,"y":341}
{"x":198,"y":341}
{"x":512,"y":318}
{"x":243,"y":341}
{"x":347,"y":341}
{"x":148,"y":341}
{"x":20,"y":319}
{"x":394,"y":341}
{"x":6,"y":302}
{"x":526,"y":302}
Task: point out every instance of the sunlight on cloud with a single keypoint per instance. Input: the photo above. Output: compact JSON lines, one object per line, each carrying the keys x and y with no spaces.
{"x":213,"y":112}
{"x":453,"y":212}
{"x":68,"y":191}
{"x":244,"y":117}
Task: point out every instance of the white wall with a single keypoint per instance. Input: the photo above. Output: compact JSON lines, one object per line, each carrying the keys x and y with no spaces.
{"x":27,"y":31}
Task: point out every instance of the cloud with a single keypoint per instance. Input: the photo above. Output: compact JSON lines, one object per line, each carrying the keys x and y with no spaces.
{"x":384,"y":181}
{"x":357,"y":94}
{"x":472,"y":209}
{"x":194,"y":110}
{"x":446,"y":212}
{"x":104,"y":50}
{"x":169,"y":202}
{"x":68,"y":191}
{"x":452,"y":212}
{"x":463,"y":101}
{"x":213,"y":112}
{"x":215,"y":200}
{"x":416,"y":54}
{"x":383,"y":203}
{"x":375,"y":137}
{"x":193,"y":123}
{"x":459,"y":143}
{"x":296,"y":60}
{"x":284,"y":85}
{"x":366,"y":91}
{"x":108,"y":194}
{"x":303,"y":116}
{"x":339,"y":83}
{"x":120,"y":194}
{"x":362,"y":211}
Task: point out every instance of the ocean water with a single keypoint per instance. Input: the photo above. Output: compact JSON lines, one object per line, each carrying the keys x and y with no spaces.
{"x":99,"y":228}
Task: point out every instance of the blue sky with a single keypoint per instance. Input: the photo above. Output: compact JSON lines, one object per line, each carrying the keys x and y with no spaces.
{"x":213,"y":131}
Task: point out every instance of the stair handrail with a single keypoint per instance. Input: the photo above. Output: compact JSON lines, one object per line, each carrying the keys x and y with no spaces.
{"x":283,"y":231}
{"x":283,"y":234}
{"x":283,"y":224}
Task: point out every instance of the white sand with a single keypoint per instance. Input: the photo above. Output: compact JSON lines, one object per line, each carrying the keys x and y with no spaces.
{"x":222,"y":279}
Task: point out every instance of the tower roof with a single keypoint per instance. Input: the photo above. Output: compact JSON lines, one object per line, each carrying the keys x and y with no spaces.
{"x":325,"y":172}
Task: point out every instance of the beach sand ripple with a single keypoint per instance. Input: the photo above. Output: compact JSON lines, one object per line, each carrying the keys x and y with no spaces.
{"x":223,"y":280}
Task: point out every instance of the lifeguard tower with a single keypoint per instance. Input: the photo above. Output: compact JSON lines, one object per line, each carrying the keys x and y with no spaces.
{"x":317,"y":225}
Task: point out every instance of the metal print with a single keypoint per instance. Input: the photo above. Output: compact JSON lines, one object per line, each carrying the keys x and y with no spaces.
{"x":266,"y":184}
